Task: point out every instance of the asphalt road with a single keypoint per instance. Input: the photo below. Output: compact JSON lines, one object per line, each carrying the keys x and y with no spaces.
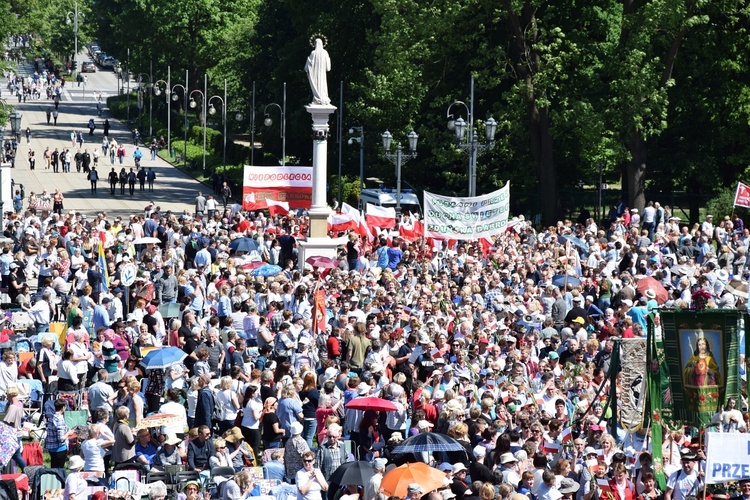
{"x":174,"y":190}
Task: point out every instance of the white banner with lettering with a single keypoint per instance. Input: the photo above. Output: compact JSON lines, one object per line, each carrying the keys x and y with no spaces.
{"x":466,"y":218}
{"x":727,"y":457}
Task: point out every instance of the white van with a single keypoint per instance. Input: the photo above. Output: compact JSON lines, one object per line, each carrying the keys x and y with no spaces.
{"x":386,"y":197}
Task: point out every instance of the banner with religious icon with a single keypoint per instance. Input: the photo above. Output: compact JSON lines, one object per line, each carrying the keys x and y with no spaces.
{"x":701,"y":349}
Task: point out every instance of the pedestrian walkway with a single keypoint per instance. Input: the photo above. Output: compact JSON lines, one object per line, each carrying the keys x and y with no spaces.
{"x":174,"y":190}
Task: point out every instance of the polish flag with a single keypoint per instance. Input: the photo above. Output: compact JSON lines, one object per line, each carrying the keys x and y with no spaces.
{"x":539,"y":398}
{"x":592,"y":464}
{"x":600,"y":455}
{"x":277,"y":207}
{"x":603,"y":484}
{"x":567,"y":435}
{"x":551,"y":448}
{"x":504,"y":396}
{"x":339,"y":223}
{"x":382,"y":217}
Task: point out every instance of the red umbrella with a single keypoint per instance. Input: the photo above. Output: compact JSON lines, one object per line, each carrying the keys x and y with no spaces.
{"x":321,"y":262}
{"x":649,"y":283}
{"x":371,"y":403}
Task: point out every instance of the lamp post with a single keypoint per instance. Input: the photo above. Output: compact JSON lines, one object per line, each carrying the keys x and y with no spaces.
{"x":399,"y":158}
{"x":176,"y":98}
{"x":252,"y":130}
{"x":73,"y":17}
{"x":150,"y":101}
{"x":193,"y":104}
{"x":268,"y":122}
{"x":205,"y":109}
{"x":471,"y":144}
{"x":361,"y":140}
{"x":212,"y":111}
{"x":15,"y":124}
{"x":167,"y":91}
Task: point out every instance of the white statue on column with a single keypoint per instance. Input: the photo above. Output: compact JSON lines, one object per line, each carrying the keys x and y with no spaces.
{"x":317,"y":65}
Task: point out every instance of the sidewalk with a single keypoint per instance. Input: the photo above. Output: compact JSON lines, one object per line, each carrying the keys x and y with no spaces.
{"x":173,"y":190}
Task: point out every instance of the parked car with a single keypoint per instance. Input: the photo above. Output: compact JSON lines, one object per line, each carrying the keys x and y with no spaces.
{"x":93,"y":48}
{"x":88,"y":67}
{"x":109,"y":62}
{"x":100,"y":57}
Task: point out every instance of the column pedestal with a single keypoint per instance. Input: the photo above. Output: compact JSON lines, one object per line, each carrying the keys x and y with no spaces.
{"x":318,"y":243}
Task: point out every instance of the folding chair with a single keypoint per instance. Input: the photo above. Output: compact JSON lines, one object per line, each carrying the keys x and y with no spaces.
{"x":184,"y":476}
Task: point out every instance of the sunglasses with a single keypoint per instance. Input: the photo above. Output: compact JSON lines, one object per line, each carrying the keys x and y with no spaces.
{"x":309,"y":461}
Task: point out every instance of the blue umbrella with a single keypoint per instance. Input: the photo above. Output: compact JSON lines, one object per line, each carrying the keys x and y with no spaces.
{"x":243,"y":245}
{"x":577,"y":242}
{"x":163,"y":358}
{"x":266,"y":270}
{"x":428,"y":442}
{"x":564,"y":279}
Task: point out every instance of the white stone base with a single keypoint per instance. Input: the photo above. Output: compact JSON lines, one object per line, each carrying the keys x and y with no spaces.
{"x":319,"y":247}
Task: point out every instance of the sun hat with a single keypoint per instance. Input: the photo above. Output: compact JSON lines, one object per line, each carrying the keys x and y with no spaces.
{"x":172,"y":439}
{"x":234,"y":435}
{"x":507,"y":458}
{"x":568,"y":486}
{"x":458,"y":467}
{"x":76,"y":463}
{"x":295,"y":428}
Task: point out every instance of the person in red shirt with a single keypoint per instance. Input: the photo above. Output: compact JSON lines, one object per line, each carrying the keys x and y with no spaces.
{"x":333,"y":344}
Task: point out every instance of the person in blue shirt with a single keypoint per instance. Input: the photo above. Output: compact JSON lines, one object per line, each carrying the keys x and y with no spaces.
{"x":382,"y":253}
{"x":101,"y":314}
{"x":275,"y":467}
{"x":145,"y":449}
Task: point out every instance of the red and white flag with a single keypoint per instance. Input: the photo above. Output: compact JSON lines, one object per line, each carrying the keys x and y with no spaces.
{"x":592,"y":464}
{"x":551,"y":448}
{"x":742,"y":196}
{"x":600,"y":455}
{"x":277,"y":207}
{"x":567,"y":435}
{"x":505,"y":397}
{"x":603,"y":484}
{"x":382,"y":217}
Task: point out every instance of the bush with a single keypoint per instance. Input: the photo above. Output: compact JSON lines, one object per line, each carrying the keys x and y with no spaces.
{"x":723,"y":204}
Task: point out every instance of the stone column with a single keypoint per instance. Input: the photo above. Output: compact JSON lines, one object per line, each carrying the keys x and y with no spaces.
{"x":319,"y":210}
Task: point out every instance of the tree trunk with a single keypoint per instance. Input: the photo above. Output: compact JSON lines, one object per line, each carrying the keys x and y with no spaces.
{"x":527,"y":63}
{"x":637,"y":172}
{"x":541,"y":148}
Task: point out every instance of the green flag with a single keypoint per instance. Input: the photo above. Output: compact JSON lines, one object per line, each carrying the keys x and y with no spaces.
{"x":655,"y":397}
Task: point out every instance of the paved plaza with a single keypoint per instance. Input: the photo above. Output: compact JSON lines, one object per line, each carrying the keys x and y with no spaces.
{"x":174,"y":190}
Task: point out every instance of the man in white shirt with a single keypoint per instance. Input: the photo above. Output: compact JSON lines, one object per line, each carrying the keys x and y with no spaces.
{"x":686,"y":481}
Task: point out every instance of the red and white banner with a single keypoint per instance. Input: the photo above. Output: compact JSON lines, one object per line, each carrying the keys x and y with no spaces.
{"x":292,"y":185}
{"x":382,"y":217}
{"x":742,"y":196}
{"x":319,"y":307}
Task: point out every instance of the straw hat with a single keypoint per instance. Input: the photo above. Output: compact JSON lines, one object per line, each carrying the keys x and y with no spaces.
{"x":234,"y":435}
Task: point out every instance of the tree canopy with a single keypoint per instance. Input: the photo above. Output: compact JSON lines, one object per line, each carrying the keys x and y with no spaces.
{"x":655,"y":92}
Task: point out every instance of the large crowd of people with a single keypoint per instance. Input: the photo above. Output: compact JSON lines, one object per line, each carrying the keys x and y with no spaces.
{"x":505,"y":348}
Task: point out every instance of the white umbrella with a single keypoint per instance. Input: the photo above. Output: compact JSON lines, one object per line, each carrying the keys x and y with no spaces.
{"x":145,"y":240}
